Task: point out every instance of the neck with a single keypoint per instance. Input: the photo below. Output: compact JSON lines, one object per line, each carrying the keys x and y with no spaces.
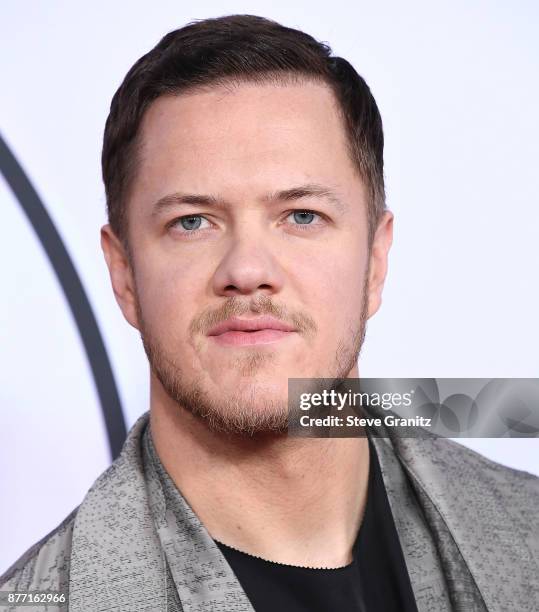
{"x":298,"y":501}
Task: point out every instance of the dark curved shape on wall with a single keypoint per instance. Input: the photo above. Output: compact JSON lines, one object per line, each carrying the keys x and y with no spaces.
{"x":75,"y":295}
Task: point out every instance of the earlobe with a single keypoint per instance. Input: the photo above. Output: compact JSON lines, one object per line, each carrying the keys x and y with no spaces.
{"x":121,"y":274}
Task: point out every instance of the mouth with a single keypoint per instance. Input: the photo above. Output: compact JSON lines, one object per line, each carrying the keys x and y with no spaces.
{"x":248,"y":332}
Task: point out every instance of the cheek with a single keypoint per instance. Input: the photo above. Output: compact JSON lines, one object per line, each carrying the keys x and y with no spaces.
{"x":333,"y":291}
{"x":166,"y":293}
{"x":334,"y":274}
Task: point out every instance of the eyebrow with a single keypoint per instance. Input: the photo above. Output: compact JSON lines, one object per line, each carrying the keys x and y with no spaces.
{"x":286,"y":195}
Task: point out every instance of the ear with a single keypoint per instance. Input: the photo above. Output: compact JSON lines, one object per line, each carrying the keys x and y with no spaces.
{"x":381,"y":244}
{"x":121,"y":274}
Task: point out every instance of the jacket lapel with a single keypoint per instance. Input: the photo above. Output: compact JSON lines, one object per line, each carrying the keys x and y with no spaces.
{"x":464,"y":494}
{"x":423,"y":562}
{"x":116,"y":562}
{"x":201,"y":575}
{"x":125,"y":535}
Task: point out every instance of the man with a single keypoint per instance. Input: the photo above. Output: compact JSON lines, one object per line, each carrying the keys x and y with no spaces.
{"x":248,"y":240}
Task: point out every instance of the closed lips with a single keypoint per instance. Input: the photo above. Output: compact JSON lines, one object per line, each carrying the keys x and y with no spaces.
{"x":249,"y":325}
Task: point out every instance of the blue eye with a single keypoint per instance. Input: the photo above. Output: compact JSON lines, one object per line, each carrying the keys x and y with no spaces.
{"x":303,"y":217}
{"x":306,"y":219}
{"x":190,"y":223}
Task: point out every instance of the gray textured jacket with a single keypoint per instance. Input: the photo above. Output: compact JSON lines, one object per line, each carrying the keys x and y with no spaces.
{"x":469,"y":529}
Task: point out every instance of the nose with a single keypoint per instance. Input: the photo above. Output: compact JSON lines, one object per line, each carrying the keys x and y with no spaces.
{"x":249,"y":266}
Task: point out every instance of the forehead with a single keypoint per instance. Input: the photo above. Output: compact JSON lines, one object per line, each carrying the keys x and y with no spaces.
{"x":244,"y":135}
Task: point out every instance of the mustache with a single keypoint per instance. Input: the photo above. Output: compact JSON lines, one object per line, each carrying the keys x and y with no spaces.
{"x":262,"y":305}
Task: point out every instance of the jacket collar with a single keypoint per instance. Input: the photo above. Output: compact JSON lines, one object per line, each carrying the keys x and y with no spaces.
{"x":469,"y":494}
{"x":116,"y":562}
{"x":201,"y":575}
{"x":117,"y":555}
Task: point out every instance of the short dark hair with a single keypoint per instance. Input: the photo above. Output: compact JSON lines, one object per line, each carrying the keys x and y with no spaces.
{"x":237,"y":49}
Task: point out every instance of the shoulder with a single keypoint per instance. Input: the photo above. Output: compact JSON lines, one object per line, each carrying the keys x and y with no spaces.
{"x":45,"y":565}
{"x":464,"y":458}
{"x":463,"y":468}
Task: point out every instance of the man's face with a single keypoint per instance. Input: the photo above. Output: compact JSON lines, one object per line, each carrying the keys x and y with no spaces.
{"x":275,"y":225}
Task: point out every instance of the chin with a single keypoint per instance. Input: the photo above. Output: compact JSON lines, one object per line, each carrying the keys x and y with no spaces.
{"x":257,"y":390}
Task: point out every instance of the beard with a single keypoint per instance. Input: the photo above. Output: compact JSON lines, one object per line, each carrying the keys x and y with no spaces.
{"x":248,"y":411}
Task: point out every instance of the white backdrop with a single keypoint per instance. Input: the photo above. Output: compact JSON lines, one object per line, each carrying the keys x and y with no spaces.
{"x":456,"y":84}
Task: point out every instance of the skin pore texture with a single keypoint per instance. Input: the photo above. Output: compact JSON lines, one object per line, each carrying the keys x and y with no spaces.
{"x":275,"y":224}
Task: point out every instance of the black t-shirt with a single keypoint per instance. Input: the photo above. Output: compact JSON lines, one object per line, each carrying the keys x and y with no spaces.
{"x":376,"y":581}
